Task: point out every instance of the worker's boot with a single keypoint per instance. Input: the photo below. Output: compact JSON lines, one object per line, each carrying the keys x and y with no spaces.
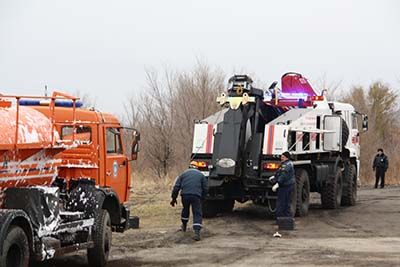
{"x":197,"y":235}
{"x":183,"y":227}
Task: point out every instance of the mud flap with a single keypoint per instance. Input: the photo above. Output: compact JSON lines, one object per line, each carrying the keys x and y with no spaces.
{"x":128,"y":222}
{"x":134,"y":222}
{"x":39,"y":204}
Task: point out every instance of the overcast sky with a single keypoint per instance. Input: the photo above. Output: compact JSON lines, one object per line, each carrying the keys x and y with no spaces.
{"x":102,"y":48}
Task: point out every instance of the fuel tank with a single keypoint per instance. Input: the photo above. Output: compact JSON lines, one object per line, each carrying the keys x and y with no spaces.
{"x":27,"y":148}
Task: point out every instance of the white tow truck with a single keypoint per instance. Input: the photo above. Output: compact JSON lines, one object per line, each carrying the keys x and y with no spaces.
{"x":238,"y":148}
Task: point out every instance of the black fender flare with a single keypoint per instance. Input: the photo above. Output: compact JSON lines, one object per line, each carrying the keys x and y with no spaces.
{"x":337,"y":165}
{"x":10,"y":217}
{"x":338,"y":162}
{"x":107,"y":199}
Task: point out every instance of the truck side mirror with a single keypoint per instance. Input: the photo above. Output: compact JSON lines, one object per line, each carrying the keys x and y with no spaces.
{"x":135,"y":145}
{"x":365,"y":122}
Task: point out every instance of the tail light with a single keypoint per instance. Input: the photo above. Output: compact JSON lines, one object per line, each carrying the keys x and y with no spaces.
{"x":271,"y":166}
{"x":317,"y":98}
{"x":199,"y":164}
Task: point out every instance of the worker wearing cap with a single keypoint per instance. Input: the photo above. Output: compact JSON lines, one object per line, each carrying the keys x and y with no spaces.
{"x":193,"y":187}
{"x":284,"y":180}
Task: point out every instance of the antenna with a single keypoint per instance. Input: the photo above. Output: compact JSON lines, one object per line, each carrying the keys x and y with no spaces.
{"x":45,"y":90}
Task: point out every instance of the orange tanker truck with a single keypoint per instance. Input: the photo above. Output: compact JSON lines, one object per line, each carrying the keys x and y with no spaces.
{"x":64,"y":179}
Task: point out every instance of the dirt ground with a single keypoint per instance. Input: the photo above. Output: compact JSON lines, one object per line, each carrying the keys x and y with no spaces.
{"x":367,"y":234}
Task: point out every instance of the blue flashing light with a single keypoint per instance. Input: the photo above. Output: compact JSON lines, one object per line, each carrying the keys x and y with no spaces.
{"x":29,"y":102}
{"x":296,"y":95}
{"x":59,"y":103}
{"x":68,"y":104}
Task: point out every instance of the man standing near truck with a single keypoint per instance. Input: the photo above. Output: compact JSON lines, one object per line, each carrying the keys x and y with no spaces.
{"x":193,"y":186}
{"x":380,"y":166}
{"x":285,"y":181}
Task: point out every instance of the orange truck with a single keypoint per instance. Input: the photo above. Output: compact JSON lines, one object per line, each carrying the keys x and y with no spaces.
{"x":65,"y":178}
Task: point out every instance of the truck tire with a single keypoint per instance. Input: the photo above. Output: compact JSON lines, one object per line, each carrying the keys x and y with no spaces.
{"x":102,"y":237}
{"x":210,"y":208}
{"x":271,"y":207}
{"x":15,"y":248}
{"x":303,"y":192}
{"x":349,"y":196}
{"x":293,"y":205}
{"x":332,"y":191}
{"x":345,"y":133}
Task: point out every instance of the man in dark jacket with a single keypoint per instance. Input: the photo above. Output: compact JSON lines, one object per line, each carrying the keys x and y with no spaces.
{"x":193,"y":186}
{"x":380,"y":166}
{"x":285,"y":181}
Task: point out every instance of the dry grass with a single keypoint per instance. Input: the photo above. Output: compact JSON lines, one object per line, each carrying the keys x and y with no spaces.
{"x":150,"y":201}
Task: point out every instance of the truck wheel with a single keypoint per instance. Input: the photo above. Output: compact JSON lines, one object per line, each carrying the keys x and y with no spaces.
{"x":102,"y":236}
{"x":349,"y":196}
{"x":15,"y":248}
{"x":210,"y":208}
{"x":303,"y":192}
{"x":293,"y":205}
{"x":332,"y":191}
{"x":345,"y":133}
{"x":271,"y":207}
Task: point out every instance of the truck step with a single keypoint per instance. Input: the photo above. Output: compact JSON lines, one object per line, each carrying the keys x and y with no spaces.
{"x":69,"y":216}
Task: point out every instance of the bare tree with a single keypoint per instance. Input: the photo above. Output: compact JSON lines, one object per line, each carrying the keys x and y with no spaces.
{"x":333,"y":88}
{"x":380,"y":103}
{"x":156,"y":118}
{"x":166,"y":111}
{"x":194,"y":98}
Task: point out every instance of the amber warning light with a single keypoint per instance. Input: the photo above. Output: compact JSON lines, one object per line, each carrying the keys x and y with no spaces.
{"x":317,"y":98}
{"x":199,"y":164}
{"x":271,"y":166}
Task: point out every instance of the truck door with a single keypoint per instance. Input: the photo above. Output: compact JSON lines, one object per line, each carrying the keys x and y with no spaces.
{"x":333,"y":138}
{"x":355,"y":136}
{"x":116,"y":162}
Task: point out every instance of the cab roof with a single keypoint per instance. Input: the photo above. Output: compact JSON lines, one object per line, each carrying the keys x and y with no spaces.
{"x":83,"y":115}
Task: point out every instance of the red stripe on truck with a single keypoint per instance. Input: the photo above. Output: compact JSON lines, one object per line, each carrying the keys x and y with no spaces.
{"x":271,"y":131}
{"x":210,"y":128}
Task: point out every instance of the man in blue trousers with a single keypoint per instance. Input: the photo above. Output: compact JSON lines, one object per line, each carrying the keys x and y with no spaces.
{"x":285,"y":182}
{"x":193,"y":186}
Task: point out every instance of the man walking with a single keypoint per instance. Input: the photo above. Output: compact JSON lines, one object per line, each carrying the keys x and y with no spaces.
{"x":380,"y":166}
{"x":193,"y":186}
{"x":285,"y":181}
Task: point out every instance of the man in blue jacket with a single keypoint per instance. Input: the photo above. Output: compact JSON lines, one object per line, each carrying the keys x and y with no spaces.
{"x":285,"y":182}
{"x":193,"y":186}
{"x":380,"y":166}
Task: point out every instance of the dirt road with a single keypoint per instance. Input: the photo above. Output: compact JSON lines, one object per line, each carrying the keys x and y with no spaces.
{"x":367,"y":234}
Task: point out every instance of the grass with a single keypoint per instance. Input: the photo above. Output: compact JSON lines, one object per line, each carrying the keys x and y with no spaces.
{"x":150,"y":201}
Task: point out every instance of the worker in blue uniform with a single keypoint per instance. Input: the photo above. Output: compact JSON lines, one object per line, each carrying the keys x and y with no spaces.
{"x":193,"y":187}
{"x":284,"y":181}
